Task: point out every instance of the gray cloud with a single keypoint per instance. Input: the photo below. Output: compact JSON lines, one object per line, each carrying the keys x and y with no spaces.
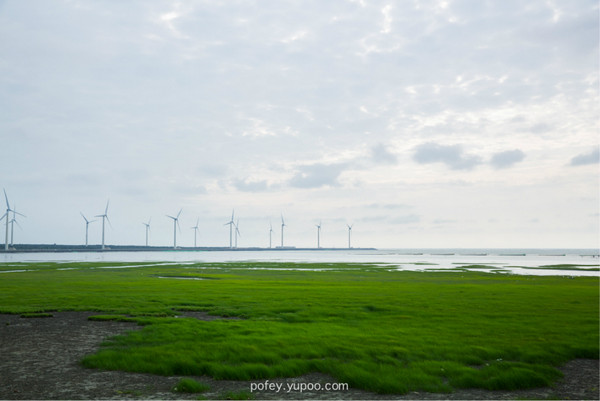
{"x":317,"y":175}
{"x":213,"y":170}
{"x":451,"y":155}
{"x":381,"y":155}
{"x":250,"y":186}
{"x":507,"y":158}
{"x":586,"y":158}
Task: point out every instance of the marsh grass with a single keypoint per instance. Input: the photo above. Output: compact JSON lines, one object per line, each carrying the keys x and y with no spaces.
{"x":587,"y":267}
{"x":188,"y":385}
{"x":36,"y":315}
{"x":383,"y":331}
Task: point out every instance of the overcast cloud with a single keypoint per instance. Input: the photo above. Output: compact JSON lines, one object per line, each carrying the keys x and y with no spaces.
{"x":592,"y":157}
{"x":473,"y":114}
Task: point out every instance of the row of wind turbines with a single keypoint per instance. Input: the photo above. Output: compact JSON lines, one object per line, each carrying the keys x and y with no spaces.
{"x":231,"y":223}
{"x":10,"y":221}
{"x":233,"y":227}
{"x":234,"y":230}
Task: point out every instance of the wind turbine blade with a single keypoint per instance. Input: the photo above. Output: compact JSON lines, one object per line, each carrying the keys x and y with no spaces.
{"x":171,"y":217}
{"x":179,"y":213}
{"x":6,"y":197}
{"x":86,"y":220}
{"x":106,"y":210}
{"x":20,"y":214}
{"x":107,"y":219}
{"x":3,"y":216}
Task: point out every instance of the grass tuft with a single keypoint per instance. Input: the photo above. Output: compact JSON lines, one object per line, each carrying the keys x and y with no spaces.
{"x":187,"y":385}
{"x":36,"y":315}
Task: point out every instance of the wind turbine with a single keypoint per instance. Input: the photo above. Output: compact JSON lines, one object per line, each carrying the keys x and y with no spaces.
{"x":7,"y":216}
{"x":319,"y":235}
{"x":147,"y":229}
{"x":87,"y":223}
{"x":231,"y":224}
{"x":349,"y":235}
{"x":270,"y":234}
{"x":237,"y":232}
{"x":195,"y":228}
{"x":12,"y":226}
{"x":282,"y":225}
{"x":175,"y":225}
{"x":104,"y":216}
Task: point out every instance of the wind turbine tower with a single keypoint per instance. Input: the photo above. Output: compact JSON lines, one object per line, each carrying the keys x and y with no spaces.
{"x":175,"y":225}
{"x":195,"y":228}
{"x":147,"y":229}
{"x":270,"y":235}
{"x":104,"y":216}
{"x":12,"y":226}
{"x":7,"y":216}
{"x":230,"y":224}
{"x":349,"y":235}
{"x":237,"y":232}
{"x":87,"y":223}
{"x":282,"y":225}
{"x":319,"y":235}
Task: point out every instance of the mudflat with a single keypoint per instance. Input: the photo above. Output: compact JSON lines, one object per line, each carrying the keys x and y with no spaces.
{"x":40,"y":359}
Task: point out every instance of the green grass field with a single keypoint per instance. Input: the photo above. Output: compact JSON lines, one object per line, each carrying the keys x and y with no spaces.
{"x":377,"y":330}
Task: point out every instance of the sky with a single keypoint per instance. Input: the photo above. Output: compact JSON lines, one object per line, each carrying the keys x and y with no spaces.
{"x":466,"y":123}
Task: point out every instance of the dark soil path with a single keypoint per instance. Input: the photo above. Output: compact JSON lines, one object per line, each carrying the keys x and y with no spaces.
{"x":39,"y":359}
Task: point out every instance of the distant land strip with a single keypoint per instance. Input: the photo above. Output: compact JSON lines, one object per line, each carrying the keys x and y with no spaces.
{"x":31,"y":248}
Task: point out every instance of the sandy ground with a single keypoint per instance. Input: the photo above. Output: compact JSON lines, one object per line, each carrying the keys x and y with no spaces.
{"x":39,"y":359}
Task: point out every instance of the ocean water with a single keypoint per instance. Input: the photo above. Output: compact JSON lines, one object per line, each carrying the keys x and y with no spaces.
{"x":516,"y":261}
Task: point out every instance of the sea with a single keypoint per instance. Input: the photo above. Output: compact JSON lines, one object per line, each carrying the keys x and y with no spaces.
{"x":563,"y":262}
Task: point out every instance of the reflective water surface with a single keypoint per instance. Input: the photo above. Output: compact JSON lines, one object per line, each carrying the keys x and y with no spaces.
{"x":574,"y":262}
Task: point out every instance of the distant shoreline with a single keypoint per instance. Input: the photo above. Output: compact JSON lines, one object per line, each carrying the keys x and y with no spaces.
{"x":55,"y":248}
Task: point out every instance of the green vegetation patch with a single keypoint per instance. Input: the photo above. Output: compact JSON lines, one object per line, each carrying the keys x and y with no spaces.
{"x":384,"y":331}
{"x":477,"y":267}
{"x":36,"y":315}
{"x":595,"y":267}
{"x":188,"y":385}
{"x":114,"y":318}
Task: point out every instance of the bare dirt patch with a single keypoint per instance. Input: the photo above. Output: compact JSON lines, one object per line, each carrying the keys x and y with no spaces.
{"x":39,"y":359}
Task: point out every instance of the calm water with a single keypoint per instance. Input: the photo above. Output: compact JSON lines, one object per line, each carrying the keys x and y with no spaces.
{"x":509,"y":260}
